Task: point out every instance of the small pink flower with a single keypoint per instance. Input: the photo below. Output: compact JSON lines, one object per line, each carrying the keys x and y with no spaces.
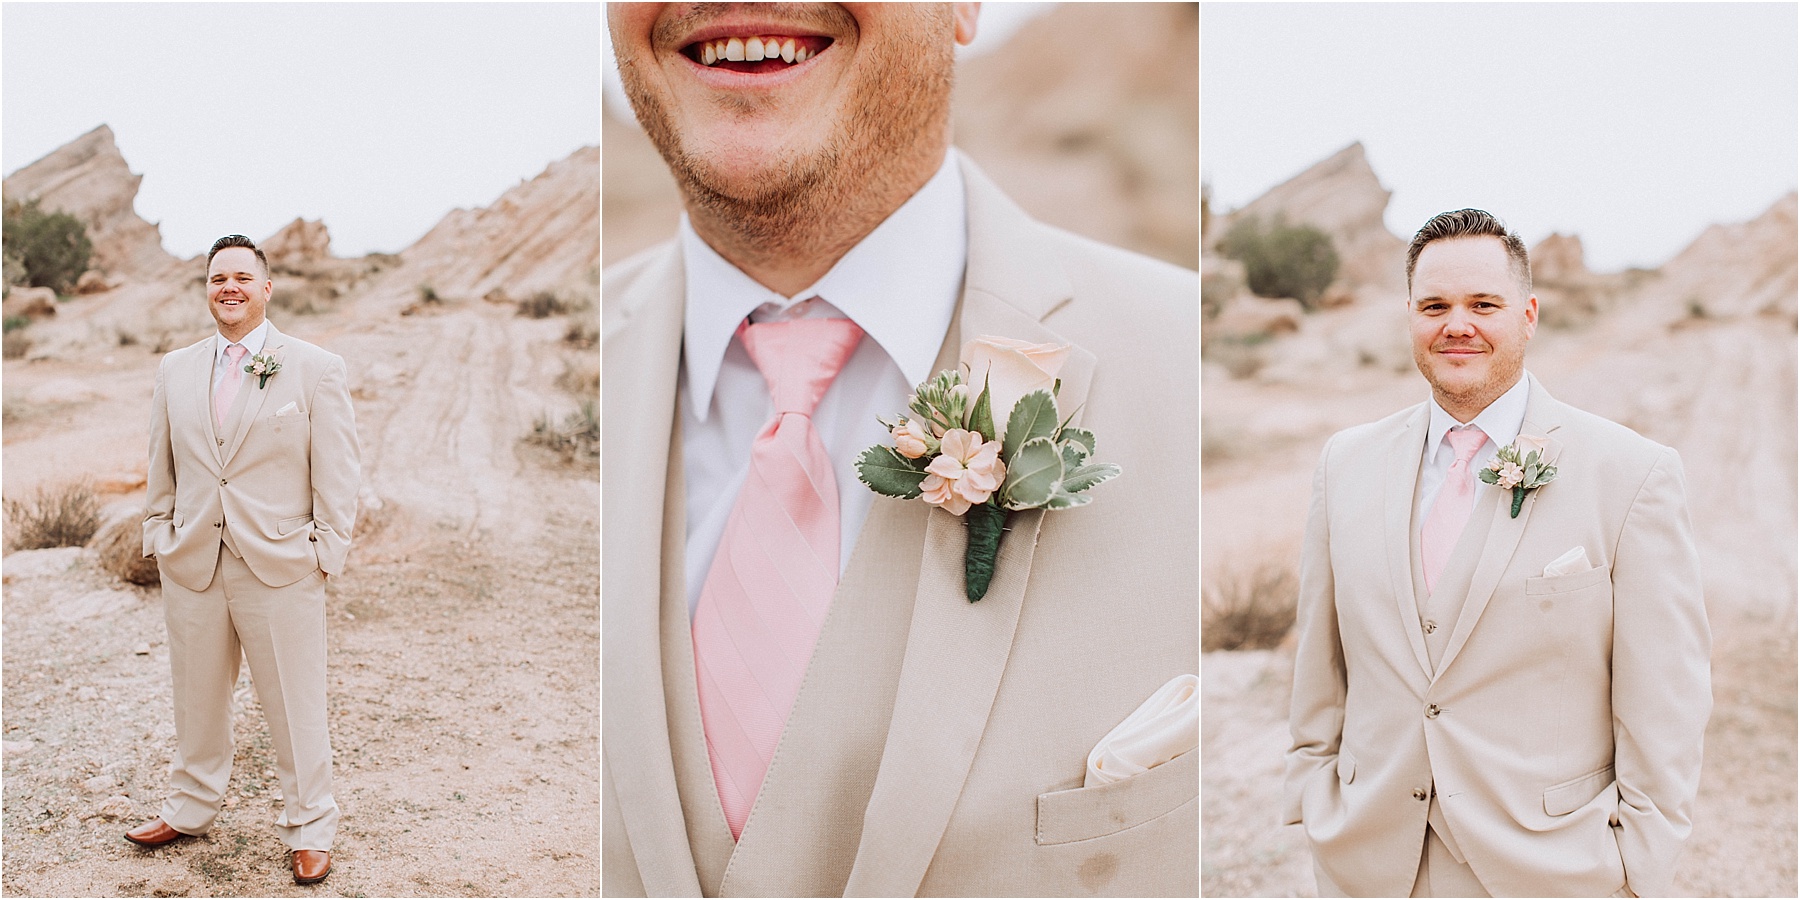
{"x":912,"y":440}
{"x":967,"y":472}
{"x":1510,"y":474}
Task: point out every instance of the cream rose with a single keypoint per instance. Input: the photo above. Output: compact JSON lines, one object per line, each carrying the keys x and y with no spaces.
{"x":1529,"y":442}
{"x":1011,"y":369}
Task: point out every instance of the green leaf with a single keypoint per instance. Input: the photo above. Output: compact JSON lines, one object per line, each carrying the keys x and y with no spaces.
{"x":1530,"y":460}
{"x":981,"y":419}
{"x":1089,"y":475}
{"x":1488,"y":476}
{"x":889,"y":474}
{"x":1518,"y":499}
{"x":1060,"y":499}
{"x":1073,"y":455}
{"x":1034,"y":416}
{"x":1081,"y":436}
{"x":1032,"y":475}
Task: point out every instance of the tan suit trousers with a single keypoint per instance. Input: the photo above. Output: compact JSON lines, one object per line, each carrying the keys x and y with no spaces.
{"x":281,"y":632}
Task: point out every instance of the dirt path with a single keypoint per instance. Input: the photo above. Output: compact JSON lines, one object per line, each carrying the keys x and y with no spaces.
{"x":464,"y":667}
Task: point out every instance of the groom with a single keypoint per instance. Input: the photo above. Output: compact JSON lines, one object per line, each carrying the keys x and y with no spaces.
{"x":919,"y":744}
{"x":1499,"y":689}
{"x":252,"y":493}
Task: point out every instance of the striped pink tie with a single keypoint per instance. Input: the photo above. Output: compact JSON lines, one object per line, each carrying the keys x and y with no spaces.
{"x":228,"y":386}
{"x":1450,"y":511}
{"x":776,"y":568}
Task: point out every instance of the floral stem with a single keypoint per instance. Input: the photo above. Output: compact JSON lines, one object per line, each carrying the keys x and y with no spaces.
{"x":986,"y":521}
{"x":1518,"y":499}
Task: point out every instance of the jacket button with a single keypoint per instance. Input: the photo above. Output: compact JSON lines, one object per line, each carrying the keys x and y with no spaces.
{"x":218,"y":524}
{"x":1430,"y":626}
{"x":1431,"y":712}
{"x":223,"y":481}
{"x":1419,"y":793}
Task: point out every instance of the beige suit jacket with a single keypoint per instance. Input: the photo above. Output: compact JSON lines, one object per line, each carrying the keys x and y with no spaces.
{"x":937,"y":747}
{"x":1562,"y":730}
{"x":285,"y":477}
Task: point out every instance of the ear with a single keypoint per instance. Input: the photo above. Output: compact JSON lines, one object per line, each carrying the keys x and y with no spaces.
{"x":1531,"y":315}
{"x":965,"y":14}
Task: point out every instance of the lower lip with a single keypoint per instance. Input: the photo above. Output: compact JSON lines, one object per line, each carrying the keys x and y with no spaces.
{"x":713,"y":76}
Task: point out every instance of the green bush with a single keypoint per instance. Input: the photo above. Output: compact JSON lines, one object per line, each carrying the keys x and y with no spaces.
{"x":1282,"y":260}
{"x":53,"y":247}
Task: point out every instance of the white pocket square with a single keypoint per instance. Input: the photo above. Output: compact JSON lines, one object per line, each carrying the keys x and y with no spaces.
{"x":290,"y":409}
{"x":1164,"y":727}
{"x":1576,"y":560}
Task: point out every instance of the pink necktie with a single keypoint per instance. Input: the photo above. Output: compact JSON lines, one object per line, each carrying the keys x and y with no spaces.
{"x":1450,"y":512}
{"x":228,"y":387}
{"x":772,"y":578}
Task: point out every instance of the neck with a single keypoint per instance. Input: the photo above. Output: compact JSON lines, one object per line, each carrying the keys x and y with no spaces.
{"x":234,"y":334}
{"x":788,"y":243}
{"x":1466,"y":406}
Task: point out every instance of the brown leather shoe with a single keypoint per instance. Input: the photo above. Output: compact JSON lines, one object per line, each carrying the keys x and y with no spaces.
{"x":311,"y":866}
{"x":154,"y":833}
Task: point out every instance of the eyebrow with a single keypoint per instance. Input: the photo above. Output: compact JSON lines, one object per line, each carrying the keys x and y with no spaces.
{"x":1478,"y":295}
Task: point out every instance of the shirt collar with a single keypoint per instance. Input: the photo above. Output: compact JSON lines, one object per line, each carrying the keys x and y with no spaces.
{"x":1500,"y":421}
{"x":899,"y":284}
{"x":253,"y":342}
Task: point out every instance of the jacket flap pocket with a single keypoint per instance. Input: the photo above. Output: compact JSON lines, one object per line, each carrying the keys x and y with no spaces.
{"x":1346,"y":767}
{"x":1089,"y":812}
{"x":290,"y":523}
{"x":1572,"y":795}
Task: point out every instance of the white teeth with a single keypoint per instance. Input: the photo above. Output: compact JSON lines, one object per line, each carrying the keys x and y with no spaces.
{"x":755,"y":48}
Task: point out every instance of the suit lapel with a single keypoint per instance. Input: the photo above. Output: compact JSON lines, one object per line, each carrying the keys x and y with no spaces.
{"x":641,"y":357}
{"x":1399,"y":483}
{"x":956,"y":651}
{"x":201,"y":370}
{"x":1505,"y":531}
{"x":249,"y":402}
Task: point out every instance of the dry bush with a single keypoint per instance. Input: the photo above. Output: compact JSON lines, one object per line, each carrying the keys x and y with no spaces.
{"x":15,"y":344}
{"x":578,"y":437}
{"x":543,"y":305}
{"x":581,"y":378}
{"x":121,"y":548}
{"x":1249,"y":606}
{"x":582,"y":334}
{"x":65,"y":516}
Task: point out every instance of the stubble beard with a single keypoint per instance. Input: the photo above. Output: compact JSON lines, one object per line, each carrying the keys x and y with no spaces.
{"x":815,"y":206}
{"x":1502,"y":373}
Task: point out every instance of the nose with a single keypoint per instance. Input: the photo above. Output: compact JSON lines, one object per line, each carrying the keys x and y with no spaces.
{"x":1459,"y":324}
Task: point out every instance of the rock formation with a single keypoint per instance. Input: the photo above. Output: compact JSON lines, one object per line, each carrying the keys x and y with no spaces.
{"x":88,"y":178}
{"x":298,"y":244}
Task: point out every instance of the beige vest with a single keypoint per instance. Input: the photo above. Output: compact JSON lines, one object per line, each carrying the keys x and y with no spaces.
{"x":1440,"y":610}
{"x":234,"y":419}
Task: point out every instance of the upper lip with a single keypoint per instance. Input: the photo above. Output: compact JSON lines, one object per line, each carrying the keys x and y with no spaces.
{"x":746,"y":28}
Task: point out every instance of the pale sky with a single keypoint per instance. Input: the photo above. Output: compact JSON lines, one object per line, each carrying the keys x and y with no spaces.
{"x":377,"y":118}
{"x":1632,"y":125}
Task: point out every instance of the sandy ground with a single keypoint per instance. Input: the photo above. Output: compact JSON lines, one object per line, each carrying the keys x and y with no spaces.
{"x":464,"y":639}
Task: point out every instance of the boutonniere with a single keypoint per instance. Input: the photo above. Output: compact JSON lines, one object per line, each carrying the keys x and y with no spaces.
{"x":1520,"y":468}
{"x":953,"y":451}
{"x":263,"y":365}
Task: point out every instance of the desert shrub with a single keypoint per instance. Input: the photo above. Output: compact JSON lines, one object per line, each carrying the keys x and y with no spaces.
{"x":14,"y":323}
{"x":15,"y":344}
{"x":121,"y":549}
{"x":429,"y":294}
{"x":1248,"y":607}
{"x":582,"y":334}
{"x":577,"y":437}
{"x":52,"y":247}
{"x":1282,"y":260}
{"x":63,"y":516}
{"x":543,"y":305}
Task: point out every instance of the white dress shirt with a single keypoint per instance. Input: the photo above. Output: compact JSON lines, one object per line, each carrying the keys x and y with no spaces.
{"x":900,"y":285}
{"x":1501,"y":421}
{"x":252,"y":342}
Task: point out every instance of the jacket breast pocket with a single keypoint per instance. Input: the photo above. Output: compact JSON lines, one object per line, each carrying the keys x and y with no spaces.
{"x":1591,"y":582}
{"x":1086,"y":813}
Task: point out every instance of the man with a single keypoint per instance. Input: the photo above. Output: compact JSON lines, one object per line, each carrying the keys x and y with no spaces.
{"x":929,"y":745}
{"x":252,"y":494}
{"x":1501,"y":683}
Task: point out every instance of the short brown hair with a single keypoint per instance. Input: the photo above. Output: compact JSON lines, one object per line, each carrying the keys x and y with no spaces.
{"x":238,"y":240}
{"x":1469,"y":223}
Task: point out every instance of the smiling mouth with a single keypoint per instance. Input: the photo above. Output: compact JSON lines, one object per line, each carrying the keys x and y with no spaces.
{"x":756,"y":54}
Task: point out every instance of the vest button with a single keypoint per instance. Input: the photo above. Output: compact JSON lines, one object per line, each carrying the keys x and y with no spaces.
{"x":1430,"y":626}
{"x":1431,"y":712}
